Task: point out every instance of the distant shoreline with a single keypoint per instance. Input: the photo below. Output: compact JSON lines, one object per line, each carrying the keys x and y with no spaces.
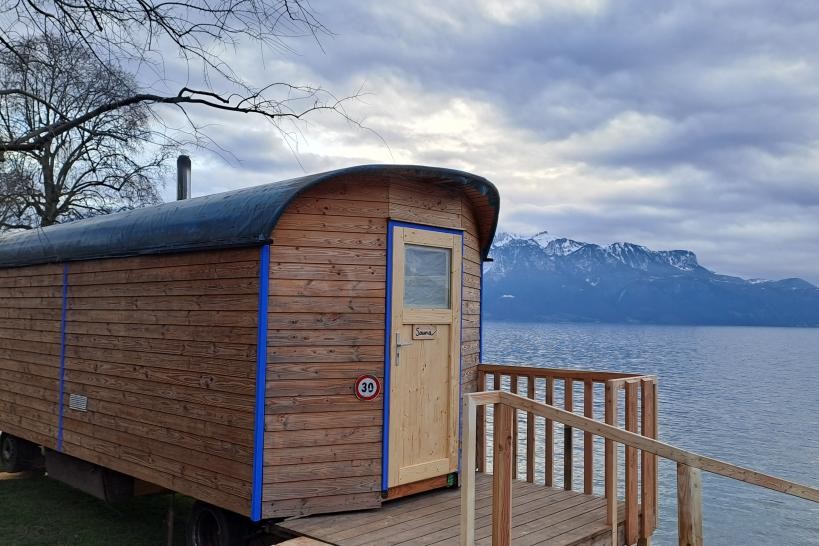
{"x":664,"y":324}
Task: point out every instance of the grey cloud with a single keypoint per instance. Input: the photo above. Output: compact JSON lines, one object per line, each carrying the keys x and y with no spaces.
{"x":689,"y":63}
{"x":673,"y":124}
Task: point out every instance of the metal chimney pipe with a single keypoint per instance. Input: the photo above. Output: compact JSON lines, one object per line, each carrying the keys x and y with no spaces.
{"x":183,"y":177}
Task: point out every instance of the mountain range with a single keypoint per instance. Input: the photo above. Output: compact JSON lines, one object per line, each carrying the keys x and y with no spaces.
{"x":546,"y":278}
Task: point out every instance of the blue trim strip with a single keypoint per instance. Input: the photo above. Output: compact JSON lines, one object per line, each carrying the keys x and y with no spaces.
{"x":62,"y":357}
{"x":480,"y":325}
{"x":385,"y":435}
{"x":385,"y":429}
{"x":261,"y":380}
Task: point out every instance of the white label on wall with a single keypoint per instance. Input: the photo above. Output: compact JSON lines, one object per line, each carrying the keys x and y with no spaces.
{"x":78,"y":402}
{"x":424,"y":331}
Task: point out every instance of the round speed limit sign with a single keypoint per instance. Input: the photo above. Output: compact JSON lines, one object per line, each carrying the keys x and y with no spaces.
{"x":367,"y":387}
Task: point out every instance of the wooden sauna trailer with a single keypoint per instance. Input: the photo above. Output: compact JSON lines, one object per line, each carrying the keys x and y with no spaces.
{"x":213,"y":346}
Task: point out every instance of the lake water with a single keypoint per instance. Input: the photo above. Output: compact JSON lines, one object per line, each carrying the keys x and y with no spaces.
{"x":746,"y":395}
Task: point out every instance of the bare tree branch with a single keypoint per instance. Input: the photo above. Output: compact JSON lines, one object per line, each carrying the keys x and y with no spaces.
{"x":117,"y":31}
{"x":272,"y":110}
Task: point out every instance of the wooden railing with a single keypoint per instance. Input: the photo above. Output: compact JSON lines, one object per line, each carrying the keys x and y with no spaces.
{"x":640,"y":405}
{"x":689,"y":465}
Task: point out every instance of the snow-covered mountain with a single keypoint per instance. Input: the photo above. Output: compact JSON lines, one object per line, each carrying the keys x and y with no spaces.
{"x":543,"y":246}
{"x":543,"y":277}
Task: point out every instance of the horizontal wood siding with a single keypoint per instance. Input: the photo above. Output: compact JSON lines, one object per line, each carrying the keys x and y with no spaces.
{"x":164,"y":347}
{"x":326,"y":327}
{"x":30,"y":318}
{"x":165,"y":350}
{"x":471,"y":325}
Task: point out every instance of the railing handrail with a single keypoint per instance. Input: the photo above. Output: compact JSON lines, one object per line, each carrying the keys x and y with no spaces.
{"x":656,"y":447}
{"x":561,"y":373}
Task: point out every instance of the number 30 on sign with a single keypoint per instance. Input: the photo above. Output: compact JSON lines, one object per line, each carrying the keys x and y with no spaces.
{"x":367,"y":387}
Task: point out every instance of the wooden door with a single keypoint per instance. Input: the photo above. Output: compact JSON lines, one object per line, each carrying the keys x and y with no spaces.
{"x":425,"y":339}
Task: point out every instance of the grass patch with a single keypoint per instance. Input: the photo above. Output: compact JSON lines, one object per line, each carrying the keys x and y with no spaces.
{"x":37,"y":511}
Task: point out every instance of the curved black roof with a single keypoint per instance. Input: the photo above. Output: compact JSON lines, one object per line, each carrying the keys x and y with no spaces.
{"x":237,"y":218}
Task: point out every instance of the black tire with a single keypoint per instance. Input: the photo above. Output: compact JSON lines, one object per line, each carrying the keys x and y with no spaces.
{"x":212,"y":526}
{"x":10,"y":460}
{"x":18,"y":455}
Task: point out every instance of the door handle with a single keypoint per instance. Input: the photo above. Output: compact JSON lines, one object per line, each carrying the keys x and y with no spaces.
{"x":398,"y":346}
{"x":398,"y":340}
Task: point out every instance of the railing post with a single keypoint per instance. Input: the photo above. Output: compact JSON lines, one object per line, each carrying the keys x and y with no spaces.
{"x":549,"y":438}
{"x":480,"y":448}
{"x":689,"y":505}
{"x":568,"y":451}
{"x":513,"y":388}
{"x":588,"y":439}
{"x":530,"y":433}
{"x":648,"y":463}
{"x":497,"y":382}
{"x":502,"y":477}
{"x":656,"y":434}
{"x":611,"y":461}
{"x":631,"y":466}
{"x":468,"y":473}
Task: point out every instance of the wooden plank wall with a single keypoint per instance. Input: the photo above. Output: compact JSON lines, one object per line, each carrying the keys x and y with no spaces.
{"x":164,"y":347}
{"x":471,"y":331}
{"x":327,"y":318}
{"x":30,"y":317}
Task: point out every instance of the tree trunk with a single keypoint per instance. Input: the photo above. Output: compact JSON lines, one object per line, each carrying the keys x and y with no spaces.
{"x":52,"y":196}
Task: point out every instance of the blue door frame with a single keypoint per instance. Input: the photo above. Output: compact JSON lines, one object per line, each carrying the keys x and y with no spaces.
{"x":385,"y":434}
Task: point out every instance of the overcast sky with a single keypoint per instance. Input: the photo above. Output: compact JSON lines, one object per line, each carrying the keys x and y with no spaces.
{"x":689,"y":125}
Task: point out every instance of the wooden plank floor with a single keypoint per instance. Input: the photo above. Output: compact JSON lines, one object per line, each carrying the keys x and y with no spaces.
{"x":540,"y":515}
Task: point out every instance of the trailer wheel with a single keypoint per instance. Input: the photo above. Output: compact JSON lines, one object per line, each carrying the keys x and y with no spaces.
{"x":17,"y":455}
{"x":212,"y":526}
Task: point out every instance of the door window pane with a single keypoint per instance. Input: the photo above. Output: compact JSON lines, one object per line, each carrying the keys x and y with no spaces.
{"x":426,"y":277}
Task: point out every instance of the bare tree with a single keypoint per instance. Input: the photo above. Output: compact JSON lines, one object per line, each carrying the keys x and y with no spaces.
{"x":140,"y":32}
{"x":98,"y":165}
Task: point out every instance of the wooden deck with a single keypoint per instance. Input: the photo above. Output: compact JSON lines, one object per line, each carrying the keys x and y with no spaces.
{"x":540,"y":515}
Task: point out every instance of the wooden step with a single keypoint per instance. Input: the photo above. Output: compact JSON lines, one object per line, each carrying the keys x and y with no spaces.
{"x":302,"y":541}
